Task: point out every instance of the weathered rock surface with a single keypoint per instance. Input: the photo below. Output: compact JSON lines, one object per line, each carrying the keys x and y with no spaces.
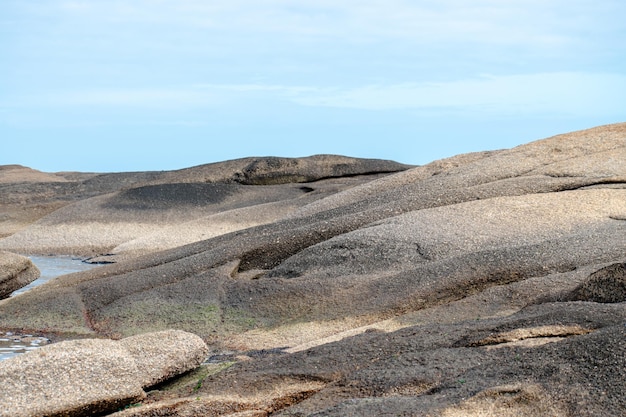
{"x":484,"y":283}
{"x":16,"y":271}
{"x":608,"y":285}
{"x":136,"y":213}
{"x":564,"y":359}
{"x":94,"y":376}
{"x":162,"y":355}
{"x":21,"y":174}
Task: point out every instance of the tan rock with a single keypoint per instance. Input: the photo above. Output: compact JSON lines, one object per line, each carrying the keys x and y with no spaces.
{"x":92,"y":376}
{"x":74,"y":378}
{"x":162,"y":355}
{"x":498,"y":273}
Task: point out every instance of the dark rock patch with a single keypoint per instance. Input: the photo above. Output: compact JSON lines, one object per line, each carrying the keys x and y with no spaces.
{"x":164,"y":196}
{"x":274,"y":170}
{"x":607,"y":285}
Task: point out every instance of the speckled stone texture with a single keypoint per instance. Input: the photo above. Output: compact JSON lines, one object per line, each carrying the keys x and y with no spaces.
{"x":15,"y":272}
{"x":487,"y":284}
{"x":93,"y":376}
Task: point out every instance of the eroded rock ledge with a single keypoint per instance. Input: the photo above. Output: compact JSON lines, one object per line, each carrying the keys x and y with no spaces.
{"x":16,"y":271}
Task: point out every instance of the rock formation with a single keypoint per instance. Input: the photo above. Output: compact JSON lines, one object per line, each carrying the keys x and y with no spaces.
{"x":135,"y":213}
{"x":487,"y":281}
{"x":15,"y":272}
{"x":94,"y":376}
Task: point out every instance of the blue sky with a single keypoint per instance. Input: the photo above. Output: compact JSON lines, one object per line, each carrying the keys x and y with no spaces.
{"x":129,"y":85}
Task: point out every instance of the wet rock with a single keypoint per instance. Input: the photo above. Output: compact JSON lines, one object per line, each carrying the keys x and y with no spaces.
{"x":13,"y":344}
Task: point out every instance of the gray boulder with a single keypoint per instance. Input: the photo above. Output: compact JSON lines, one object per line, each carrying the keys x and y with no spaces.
{"x":16,"y":271}
{"x":403,"y":242}
{"x":93,"y":376}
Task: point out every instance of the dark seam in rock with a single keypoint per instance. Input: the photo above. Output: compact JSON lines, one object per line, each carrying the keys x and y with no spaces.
{"x":420,"y":252}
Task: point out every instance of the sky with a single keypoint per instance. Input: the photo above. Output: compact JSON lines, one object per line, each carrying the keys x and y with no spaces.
{"x":134,"y":85}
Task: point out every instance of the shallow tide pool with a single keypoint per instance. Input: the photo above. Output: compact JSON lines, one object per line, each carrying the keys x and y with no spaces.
{"x":52,"y":267}
{"x":12,"y":344}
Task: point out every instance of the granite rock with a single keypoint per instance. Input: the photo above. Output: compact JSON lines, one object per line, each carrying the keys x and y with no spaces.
{"x":93,"y":376}
{"x":487,"y":282}
{"x":16,"y":271}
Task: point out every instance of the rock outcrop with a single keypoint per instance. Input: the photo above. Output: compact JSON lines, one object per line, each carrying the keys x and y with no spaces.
{"x":94,"y":376}
{"x":488,"y":281}
{"x":556,"y":359}
{"x":129,"y":214}
{"x":16,"y":271}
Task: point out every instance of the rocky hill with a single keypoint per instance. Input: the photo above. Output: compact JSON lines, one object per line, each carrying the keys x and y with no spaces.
{"x":484,"y":284}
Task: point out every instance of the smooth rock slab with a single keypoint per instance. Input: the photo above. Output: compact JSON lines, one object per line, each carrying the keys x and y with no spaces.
{"x":92,"y":376}
{"x":160,"y":356}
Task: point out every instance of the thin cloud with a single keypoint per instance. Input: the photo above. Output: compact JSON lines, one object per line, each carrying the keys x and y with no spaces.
{"x":551,"y":93}
{"x":284,"y":90}
{"x":555,"y":93}
{"x":195,"y":96}
{"x":144,"y":98}
{"x":529,"y":22}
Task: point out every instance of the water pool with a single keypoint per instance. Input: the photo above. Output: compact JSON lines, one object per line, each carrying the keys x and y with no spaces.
{"x":11,"y":343}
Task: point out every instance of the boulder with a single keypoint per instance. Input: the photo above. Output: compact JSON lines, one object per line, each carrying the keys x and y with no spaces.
{"x":93,"y":376}
{"x":160,"y":356}
{"x":74,"y":378}
{"x":16,"y":271}
{"x":404,"y":242}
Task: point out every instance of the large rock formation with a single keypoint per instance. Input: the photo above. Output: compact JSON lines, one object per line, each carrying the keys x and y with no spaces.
{"x":134,"y":213}
{"x":554,"y":359}
{"x":488,"y":281}
{"x":94,"y":376}
{"x":16,"y":271}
